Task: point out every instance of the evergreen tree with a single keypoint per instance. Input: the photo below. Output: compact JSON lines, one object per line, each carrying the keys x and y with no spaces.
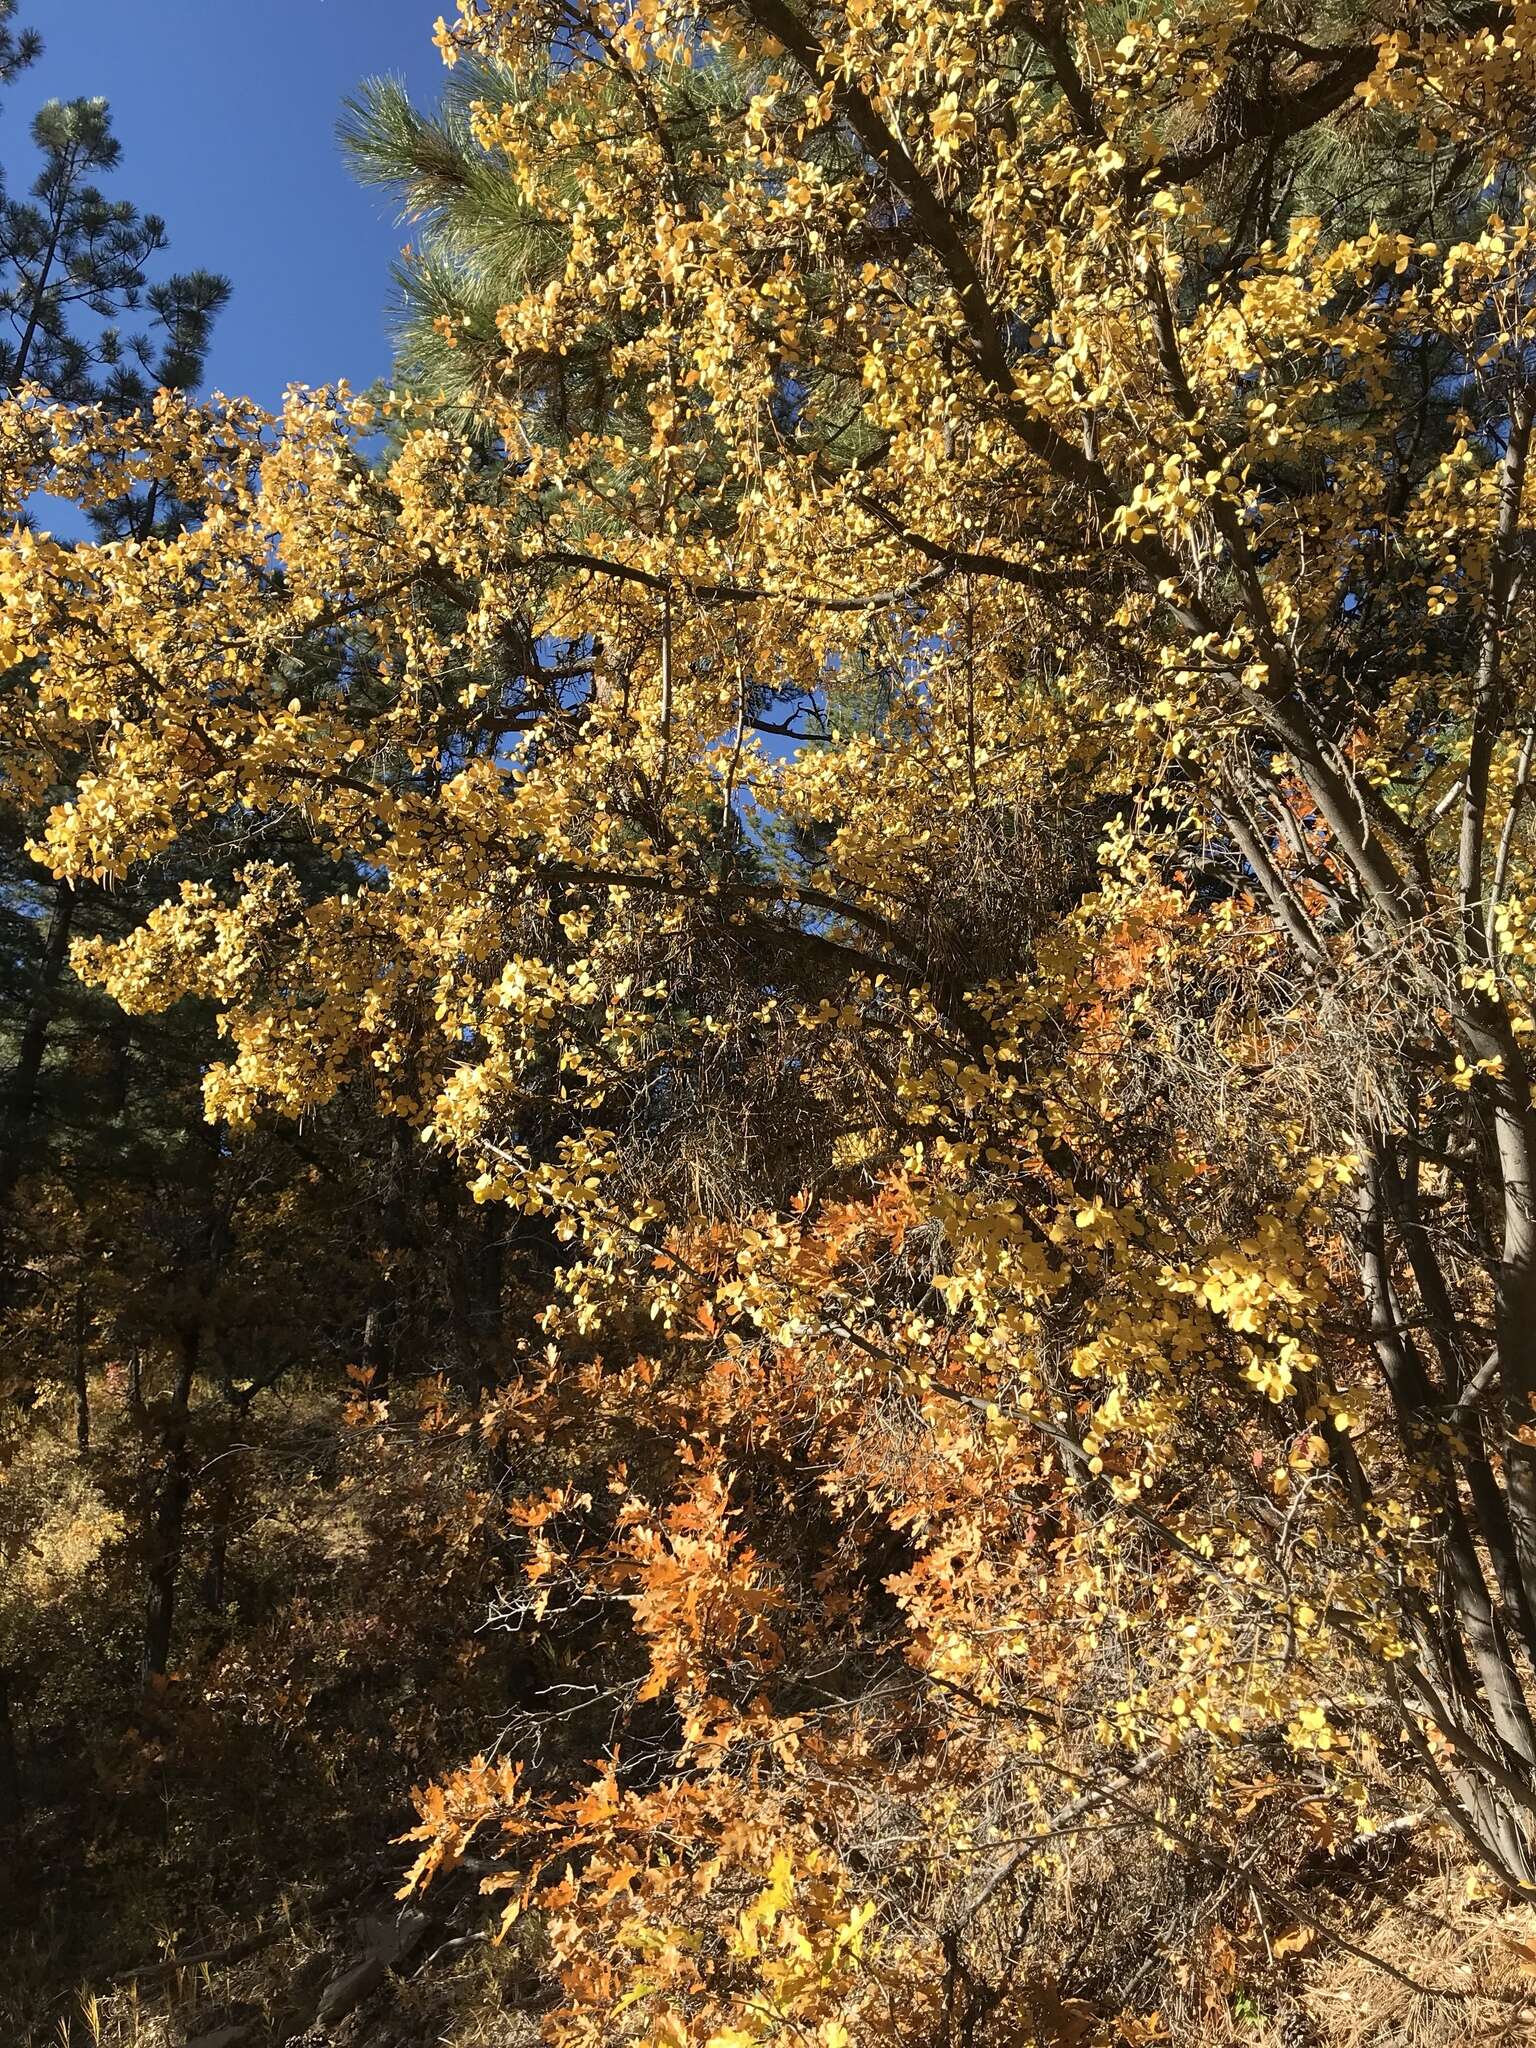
{"x":18,"y":47}
{"x":184,"y":307}
{"x":71,"y":257}
{"x":66,"y":252}
{"x":31,"y":970}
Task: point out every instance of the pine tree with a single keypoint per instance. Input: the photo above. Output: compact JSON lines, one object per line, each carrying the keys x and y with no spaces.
{"x":70,"y":252}
{"x":185,"y":308}
{"x":18,"y":47}
{"x":70,"y":257}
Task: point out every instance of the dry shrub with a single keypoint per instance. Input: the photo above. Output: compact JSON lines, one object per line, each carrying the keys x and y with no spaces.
{"x":1132,"y":1932}
{"x":1255,"y":1044}
{"x":722,"y":1113}
{"x":979,"y":898}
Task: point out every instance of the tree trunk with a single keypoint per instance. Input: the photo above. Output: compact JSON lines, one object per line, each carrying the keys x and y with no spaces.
{"x":473,"y":1277}
{"x":168,"y":1508}
{"x":381,"y":1325}
{"x":492,"y":1279}
{"x":461,"y":1319}
{"x":10,"y":1768}
{"x":21,"y":1095}
{"x":82,"y":1379}
{"x":221,"y":1512}
{"x":40,"y":291}
{"x":214,"y":1578}
{"x":167,"y":1519}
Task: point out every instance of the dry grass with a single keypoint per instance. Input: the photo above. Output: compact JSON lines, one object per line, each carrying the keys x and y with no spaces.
{"x":1114,"y":1924}
{"x":1480,"y":1951}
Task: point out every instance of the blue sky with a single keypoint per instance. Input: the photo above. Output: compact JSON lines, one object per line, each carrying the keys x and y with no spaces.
{"x":227,"y":111}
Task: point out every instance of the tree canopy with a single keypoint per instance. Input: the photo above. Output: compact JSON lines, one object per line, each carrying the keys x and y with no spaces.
{"x":905,"y":752}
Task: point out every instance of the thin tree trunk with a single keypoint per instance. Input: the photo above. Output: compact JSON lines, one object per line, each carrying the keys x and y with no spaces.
{"x":168,"y":1509}
{"x":10,"y":1766}
{"x":1481,"y":1627}
{"x":492,"y":1277}
{"x":664,"y":767}
{"x":82,"y":1379}
{"x":1489,"y":1504}
{"x":221,"y":1512}
{"x":167,"y":1519}
{"x":381,"y":1325}
{"x":456,"y":1279}
{"x":40,"y":292}
{"x":21,"y":1095}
